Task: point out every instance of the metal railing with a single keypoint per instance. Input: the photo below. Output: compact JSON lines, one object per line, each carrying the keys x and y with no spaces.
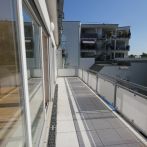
{"x":127,"y":98}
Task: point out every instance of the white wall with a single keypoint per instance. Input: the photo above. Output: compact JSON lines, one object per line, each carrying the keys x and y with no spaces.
{"x":106,"y":89}
{"x":67,"y":72}
{"x":70,"y":37}
{"x":92,"y":81}
{"x":86,"y":63}
{"x":80,"y":73}
{"x":85,"y":76}
{"x":132,"y":107}
{"x":59,"y":58}
{"x":42,"y":7}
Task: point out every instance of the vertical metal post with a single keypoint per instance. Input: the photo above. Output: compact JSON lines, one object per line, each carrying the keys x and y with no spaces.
{"x":82,"y":73}
{"x":115,"y":92}
{"x":87,"y":77}
{"x":43,"y":70}
{"x":24,"y":72}
{"x":96,"y":83}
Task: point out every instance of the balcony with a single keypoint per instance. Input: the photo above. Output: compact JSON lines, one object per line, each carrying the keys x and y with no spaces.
{"x":124,"y":48}
{"x":121,"y":48}
{"x":89,"y":35}
{"x":124,"y":34}
{"x":96,"y":110}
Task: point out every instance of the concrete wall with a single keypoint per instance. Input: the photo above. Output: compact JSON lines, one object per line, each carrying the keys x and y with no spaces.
{"x":70,"y":38}
{"x":135,"y":73}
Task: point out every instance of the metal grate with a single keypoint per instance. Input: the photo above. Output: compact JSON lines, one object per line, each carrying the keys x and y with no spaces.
{"x":52,"y":131}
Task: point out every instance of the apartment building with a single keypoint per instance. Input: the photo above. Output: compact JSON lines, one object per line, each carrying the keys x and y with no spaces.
{"x":104,"y":41}
{"x":30,"y":33}
{"x":83,"y":44}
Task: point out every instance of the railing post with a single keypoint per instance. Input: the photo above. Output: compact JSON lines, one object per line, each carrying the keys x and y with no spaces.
{"x":87,"y":77}
{"x":96,"y":83}
{"x":82,"y":74}
{"x":115,"y":92}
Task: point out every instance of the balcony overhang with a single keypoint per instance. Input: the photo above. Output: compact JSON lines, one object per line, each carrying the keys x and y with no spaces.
{"x":88,"y":42}
{"x":53,"y":13}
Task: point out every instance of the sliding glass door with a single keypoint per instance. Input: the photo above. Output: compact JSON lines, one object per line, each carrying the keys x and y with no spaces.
{"x":12,"y":122}
{"x":33,"y":50}
{"x":46,"y":67}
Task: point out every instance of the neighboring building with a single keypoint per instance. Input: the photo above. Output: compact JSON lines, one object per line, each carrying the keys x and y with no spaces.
{"x":104,"y":41}
{"x":84,"y":43}
{"x":30,"y":33}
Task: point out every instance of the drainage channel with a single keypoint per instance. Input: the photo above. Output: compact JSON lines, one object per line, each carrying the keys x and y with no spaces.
{"x":52,"y":131}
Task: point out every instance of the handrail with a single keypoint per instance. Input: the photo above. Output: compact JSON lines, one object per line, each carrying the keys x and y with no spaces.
{"x":133,"y":87}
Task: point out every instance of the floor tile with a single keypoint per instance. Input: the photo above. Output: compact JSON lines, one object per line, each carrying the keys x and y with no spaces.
{"x":101,"y":124}
{"x":67,"y":140}
{"x":126,"y":135}
{"x":109,"y":137}
{"x":65,"y":126}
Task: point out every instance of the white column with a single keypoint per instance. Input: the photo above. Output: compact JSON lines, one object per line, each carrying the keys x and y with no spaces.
{"x":24,"y":72}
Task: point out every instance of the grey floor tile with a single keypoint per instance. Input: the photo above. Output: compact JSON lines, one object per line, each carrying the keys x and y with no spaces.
{"x":135,"y":145}
{"x":116,"y":123}
{"x":101,"y":124}
{"x":127,"y":136}
{"x":109,"y":137}
{"x":95,"y":139}
{"x":80,"y":139}
{"x":120,"y":145}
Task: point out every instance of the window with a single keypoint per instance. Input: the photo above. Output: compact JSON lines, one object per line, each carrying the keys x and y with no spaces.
{"x":46,"y":67}
{"x":12,"y":126}
{"x":35,"y":73}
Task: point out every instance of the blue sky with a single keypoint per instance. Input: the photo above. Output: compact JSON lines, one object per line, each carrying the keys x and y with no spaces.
{"x":122,"y":12}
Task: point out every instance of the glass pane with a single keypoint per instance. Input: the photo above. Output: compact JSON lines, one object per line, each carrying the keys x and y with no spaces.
{"x":35,"y":80}
{"x":12,"y":132}
{"x":46,"y":67}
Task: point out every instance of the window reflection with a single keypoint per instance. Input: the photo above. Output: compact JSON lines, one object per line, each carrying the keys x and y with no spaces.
{"x":46,"y":67}
{"x":11,"y":114}
{"x":35,"y":80}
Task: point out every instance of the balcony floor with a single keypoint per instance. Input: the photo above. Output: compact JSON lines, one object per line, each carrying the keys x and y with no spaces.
{"x":83,"y":120}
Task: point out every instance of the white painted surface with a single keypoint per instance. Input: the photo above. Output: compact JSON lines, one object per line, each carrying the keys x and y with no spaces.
{"x":92,"y":81}
{"x":86,"y":63}
{"x":67,"y":72}
{"x":80,"y":73}
{"x":106,"y":89}
{"x":65,"y":124}
{"x":85,"y":76}
{"x":59,"y":58}
{"x":71,"y":42}
{"x":132,"y":107}
{"x":41,"y":5}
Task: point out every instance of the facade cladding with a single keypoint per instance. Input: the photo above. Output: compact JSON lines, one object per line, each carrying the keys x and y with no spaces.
{"x":28,"y":45}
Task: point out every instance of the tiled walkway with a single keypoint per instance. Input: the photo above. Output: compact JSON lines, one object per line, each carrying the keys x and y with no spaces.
{"x":84,"y":121}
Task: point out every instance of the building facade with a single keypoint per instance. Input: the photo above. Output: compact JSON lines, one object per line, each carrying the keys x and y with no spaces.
{"x":29,"y":39}
{"x":104,"y":41}
{"x":82,"y":44}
